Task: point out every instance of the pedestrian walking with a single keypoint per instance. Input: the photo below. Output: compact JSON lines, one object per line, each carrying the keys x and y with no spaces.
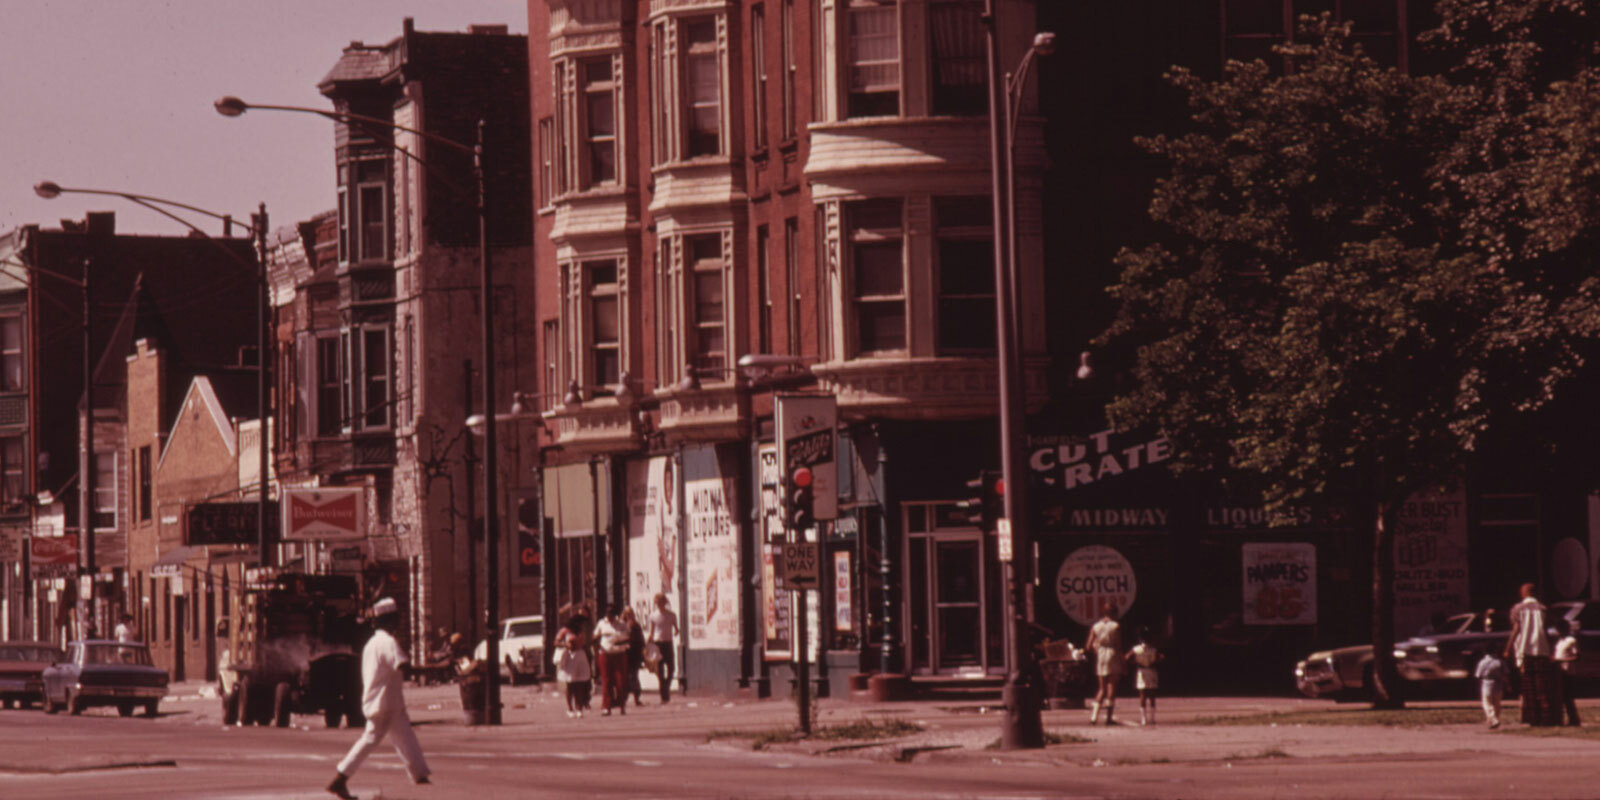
{"x":573,"y":664}
{"x":1566,"y":658}
{"x":662,"y":634}
{"x":126,"y":632}
{"x":611,"y":637}
{"x":635,"y":656}
{"x":1491,"y":675}
{"x":383,"y":662}
{"x":1105,"y":642}
{"x":1529,"y":646}
{"x":1146,"y":679}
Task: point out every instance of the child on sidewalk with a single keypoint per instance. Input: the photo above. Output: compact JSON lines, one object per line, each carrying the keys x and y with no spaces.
{"x":1491,"y":674}
{"x":1144,"y":657}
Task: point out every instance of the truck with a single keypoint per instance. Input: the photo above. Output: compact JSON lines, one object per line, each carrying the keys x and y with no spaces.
{"x":294,"y":643}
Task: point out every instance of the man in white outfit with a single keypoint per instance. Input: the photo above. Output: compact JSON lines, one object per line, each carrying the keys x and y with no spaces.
{"x":382,"y":663}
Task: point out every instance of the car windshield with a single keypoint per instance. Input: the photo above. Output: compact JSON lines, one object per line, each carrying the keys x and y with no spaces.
{"x":530,"y":627}
{"x":26,"y":653}
{"x":116,"y":654}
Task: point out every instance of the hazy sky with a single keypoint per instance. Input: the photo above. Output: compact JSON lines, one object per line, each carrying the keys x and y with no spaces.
{"x":116,"y":94}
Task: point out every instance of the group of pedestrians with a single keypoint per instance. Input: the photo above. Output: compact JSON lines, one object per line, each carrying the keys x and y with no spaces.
{"x":1543,"y":670}
{"x":612,"y":651}
{"x":1105,"y":648}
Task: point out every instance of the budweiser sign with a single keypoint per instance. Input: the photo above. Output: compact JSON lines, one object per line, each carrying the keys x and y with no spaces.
{"x":323,"y":514}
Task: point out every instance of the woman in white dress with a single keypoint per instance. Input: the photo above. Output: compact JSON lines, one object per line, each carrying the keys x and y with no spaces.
{"x":1105,"y":642}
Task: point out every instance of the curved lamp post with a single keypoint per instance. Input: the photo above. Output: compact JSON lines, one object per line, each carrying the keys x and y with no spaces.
{"x":1021,"y":726}
{"x":50,"y":190}
{"x":231,"y":106}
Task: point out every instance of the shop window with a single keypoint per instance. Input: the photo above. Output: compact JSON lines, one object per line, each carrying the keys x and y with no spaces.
{"x":873,"y":58}
{"x":877,"y":263}
{"x":965,"y":270}
{"x":956,"y":39}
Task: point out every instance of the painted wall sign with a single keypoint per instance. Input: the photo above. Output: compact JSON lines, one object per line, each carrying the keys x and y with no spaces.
{"x":711,"y":574}
{"x":1093,"y":575}
{"x":1280,"y":583}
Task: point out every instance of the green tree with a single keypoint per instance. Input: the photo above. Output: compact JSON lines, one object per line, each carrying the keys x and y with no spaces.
{"x":1359,"y":275}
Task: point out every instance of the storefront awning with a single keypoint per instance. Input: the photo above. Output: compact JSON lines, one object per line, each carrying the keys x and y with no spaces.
{"x":170,"y":564}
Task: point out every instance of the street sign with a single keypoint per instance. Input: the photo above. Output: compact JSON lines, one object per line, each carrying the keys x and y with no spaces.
{"x":802,"y":565}
{"x":1003,"y":529}
{"x":806,"y":438}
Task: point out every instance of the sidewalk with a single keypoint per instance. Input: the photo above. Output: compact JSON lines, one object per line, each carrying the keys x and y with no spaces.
{"x":957,"y":732}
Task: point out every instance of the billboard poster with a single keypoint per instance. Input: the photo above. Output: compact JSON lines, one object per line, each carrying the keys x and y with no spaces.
{"x":1430,"y":559}
{"x":711,"y":576}
{"x":1091,"y":576}
{"x":53,"y":556}
{"x":652,"y":534}
{"x":1280,"y":583}
{"x":776,"y":606}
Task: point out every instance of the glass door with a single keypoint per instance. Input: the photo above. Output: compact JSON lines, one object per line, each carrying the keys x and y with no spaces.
{"x":957,"y":589}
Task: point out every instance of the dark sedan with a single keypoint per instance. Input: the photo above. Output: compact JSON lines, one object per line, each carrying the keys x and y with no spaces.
{"x":22,"y":666}
{"x":104,"y":673}
{"x":1451,"y":656}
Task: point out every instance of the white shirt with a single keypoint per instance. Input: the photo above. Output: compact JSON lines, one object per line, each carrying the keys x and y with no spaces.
{"x":1530,"y":640}
{"x":663,"y":626}
{"x":124,"y":633}
{"x":381,"y":660}
{"x":613,"y":636}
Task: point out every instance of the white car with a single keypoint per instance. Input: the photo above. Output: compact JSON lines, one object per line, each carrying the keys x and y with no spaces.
{"x":521,"y":648}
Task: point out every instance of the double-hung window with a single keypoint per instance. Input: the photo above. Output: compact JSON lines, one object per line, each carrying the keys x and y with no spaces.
{"x":965,"y":270}
{"x":599,"y":122}
{"x":11,"y":353}
{"x":13,"y":470}
{"x":955,"y":30}
{"x":369,"y":211}
{"x":605,"y":324}
{"x":706,"y":275}
{"x":365,"y":381}
{"x":104,"y":512}
{"x":702,"y":83}
{"x":872,"y":33}
{"x":758,"y":62}
{"x":876,"y":241}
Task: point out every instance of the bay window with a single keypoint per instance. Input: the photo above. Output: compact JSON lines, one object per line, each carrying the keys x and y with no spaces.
{"x":875,"y":241}
{"x":599,"y":122}
{"x":873,"y":58}
{"x":706,"y":270}
{"x":686,"y":88}
{"x":964,"y":250}
{"x":703,"y":80}
{"x":605,"y":323}
{"x":11,"y":353}
{"x":956,"y":44}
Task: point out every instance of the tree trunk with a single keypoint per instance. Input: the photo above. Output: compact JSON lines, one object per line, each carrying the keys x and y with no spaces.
{"x":1386,"y":689}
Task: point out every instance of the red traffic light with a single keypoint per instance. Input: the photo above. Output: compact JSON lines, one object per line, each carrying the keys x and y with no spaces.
{"x":801,"y":477}
{"x":1000,"y":487}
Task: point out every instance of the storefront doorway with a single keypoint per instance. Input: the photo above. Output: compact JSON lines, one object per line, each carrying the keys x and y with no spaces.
{"x":952,"y":594}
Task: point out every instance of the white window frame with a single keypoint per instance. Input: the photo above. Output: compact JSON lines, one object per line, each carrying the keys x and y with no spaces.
{"x":713,"y":360}
{"x":857,"y":236}
{"x":590,"y":142}
{"x":672,"y":91}
{"x":14,"y":354}
{"x":870,"y":76}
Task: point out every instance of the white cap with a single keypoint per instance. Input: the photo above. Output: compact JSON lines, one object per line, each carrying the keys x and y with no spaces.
{"x":385,"y":606}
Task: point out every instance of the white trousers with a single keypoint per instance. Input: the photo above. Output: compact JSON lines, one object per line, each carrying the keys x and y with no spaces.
{"x":405,"y":743}
{"x":1492,"y":694}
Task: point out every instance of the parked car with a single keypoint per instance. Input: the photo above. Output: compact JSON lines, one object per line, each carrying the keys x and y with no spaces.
{"x":99,"y":672}
{"x":521,"y":648}
{"x":21,"y":671}
{"x":1439,"y":657}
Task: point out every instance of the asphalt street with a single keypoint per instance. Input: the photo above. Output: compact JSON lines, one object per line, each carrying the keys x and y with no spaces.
{"x":686,"y":750}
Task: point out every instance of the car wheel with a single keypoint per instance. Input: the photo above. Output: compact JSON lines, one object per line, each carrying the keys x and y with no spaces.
{"x":74,"y":703}
{"x":282,"y":704}
{"x":124,"y":709}
{"x":151,"y":707}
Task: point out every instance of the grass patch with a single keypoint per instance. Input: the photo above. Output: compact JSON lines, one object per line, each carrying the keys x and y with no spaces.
{"x":859,"y":730}
{"x":1400,"y":717}
{"x":1269,"y":753}
{"x":1591,"y":732}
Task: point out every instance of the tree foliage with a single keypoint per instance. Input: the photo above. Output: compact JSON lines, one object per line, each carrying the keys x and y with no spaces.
{"x":1362,"y":271}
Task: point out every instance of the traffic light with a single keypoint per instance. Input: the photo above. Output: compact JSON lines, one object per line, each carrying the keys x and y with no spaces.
{"x":800,"y":499}
{"x":989,"y":504}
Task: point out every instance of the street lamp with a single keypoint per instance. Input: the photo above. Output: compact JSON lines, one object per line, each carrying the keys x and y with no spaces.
{"x":233,"y":107}
{"x":50,"y":190}
{"x":1021,"y":726}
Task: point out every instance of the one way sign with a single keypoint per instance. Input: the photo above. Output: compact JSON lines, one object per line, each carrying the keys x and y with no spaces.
{"x":802,"y":566}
